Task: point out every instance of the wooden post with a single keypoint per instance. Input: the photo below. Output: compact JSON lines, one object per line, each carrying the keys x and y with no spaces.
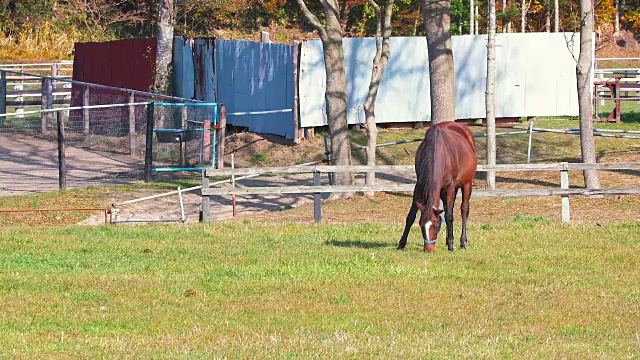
{"x":317,"y":199}
{"x":617,"y":102}
{"x":183,"y":145}
{"x":62,"y":164}
{"x":296,"y":92}
{"x":205,"y":212}
{"x":47,"y":102}
{"x":206,"y":142}
{"x":132,"y":125}
{"x":530,"y":138}
{"x":221,"y":133}
{"x":564,"y":184}
{"x":148,"y":154}
{"x":264,"y":37}
{"x":85,"y":113}
{"x":3,"y":96}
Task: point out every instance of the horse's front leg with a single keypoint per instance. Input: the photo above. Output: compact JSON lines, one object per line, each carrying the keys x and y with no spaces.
{"x":448,"y":198}
{"x":411,"y":218}
{"x":464,"y":212}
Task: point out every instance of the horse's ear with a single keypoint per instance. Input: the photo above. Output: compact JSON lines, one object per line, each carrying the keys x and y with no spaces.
{"x":437,"y":212}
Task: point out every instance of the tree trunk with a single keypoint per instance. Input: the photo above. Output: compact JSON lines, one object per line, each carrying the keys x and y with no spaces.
{"x":583,"y":74}
{"x":477,"y":22}
{"x":523,"y":16}
{"x":556,"y":16}
{"x":472,"y":17}
{"x":617,"y":24}
{"x":504,"y":9}
{"x":547,"y":24}
{"x":379,"y":63}
{"x":491,"y":94}
{"x":336,"y":87}
{"x":437,"y":18}
{"x":166,"y":23}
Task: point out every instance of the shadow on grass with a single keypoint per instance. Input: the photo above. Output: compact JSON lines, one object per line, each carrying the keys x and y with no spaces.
{"x":357,"y":244}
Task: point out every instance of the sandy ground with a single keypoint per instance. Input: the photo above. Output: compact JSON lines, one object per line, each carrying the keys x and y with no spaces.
{"x":30,"y":165}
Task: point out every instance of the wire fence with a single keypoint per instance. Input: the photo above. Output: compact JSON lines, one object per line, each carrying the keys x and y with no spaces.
{"x":104,"y":135}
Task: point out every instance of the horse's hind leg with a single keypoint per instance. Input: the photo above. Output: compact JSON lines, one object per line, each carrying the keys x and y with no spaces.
{"x":464,"y":211}
{"x":411,"y":218}
{"x":448,"y":198}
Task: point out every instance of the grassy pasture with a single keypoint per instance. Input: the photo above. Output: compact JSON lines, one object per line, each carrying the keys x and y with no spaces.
{"x":278,"y":286}
{"x":527,"y":287}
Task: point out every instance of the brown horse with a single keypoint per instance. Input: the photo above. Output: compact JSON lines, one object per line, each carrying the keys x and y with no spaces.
{"x":445,"y":162}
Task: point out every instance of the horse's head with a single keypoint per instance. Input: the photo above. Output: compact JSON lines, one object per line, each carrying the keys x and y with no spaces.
{"x":431,"y":221}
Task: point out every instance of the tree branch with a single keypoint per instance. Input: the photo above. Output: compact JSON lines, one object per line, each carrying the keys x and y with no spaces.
{"x":312,"y":18}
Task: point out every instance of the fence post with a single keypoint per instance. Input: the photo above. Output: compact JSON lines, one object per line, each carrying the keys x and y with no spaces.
{"x":206,"y":142}
{"x":205,"y":212}
{"x":47,"y":101}
{"x":564,"y":184}
{"x":184,"y":117}
{"x":3,"y":96}
{"x":296,"y":93}
{"x":222,"y":124}
{"x":317,"y":203}
{"x":85,"y":113}
{"x":327,"y":157}
{"x":62,"y":164}
{"x":530,"y":138}
{"x":132,"y":125}
{"x":148,"y":154}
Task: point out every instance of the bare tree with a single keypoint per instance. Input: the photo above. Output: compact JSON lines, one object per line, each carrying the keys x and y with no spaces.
{"x":166,"y":24}
{"x":617,"y":21}
{"x":437,"y":19}
{"x":379,"y":63}
{"x":583,"y":74}
{"x":523,"y":15}
{"x":556,"y":16}
{"x":472,"y":17}
{"x":336,"y":83}
{"x":490,"y":96}
{"x":97,"y":15}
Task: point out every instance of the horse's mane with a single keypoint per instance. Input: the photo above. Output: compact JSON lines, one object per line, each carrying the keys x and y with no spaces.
{"x":425,"y":161}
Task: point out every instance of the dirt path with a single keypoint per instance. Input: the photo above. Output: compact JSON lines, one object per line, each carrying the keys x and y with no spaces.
{"x":30,"y":165}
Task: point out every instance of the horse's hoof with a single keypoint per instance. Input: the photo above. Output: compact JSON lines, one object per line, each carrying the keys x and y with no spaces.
{"x":400,"y":248}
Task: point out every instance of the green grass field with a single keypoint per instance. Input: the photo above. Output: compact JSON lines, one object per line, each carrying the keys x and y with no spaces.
{"x":525,"y":288}
{"x":278,"y":286}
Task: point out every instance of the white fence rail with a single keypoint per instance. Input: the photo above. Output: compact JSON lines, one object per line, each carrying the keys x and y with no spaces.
{"x":317,"y":189}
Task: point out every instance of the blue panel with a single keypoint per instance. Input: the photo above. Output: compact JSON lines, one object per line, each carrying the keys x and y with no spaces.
{"x":252,"y":76}
{"x":184,"y":81}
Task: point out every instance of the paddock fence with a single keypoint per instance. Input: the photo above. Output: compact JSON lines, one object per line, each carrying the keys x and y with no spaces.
{"x":102,"y":130}
{"x":317,"y":188}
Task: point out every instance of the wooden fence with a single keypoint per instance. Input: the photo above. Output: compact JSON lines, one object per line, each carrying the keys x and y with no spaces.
{"x":317,"y":189}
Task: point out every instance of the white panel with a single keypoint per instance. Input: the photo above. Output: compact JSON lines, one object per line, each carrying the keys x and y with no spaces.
{"x":535,"y":77}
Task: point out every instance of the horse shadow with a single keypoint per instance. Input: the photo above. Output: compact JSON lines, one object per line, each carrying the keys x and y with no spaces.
{"x":357,"y":244}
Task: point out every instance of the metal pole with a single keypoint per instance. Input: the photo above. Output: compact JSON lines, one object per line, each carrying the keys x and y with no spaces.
{"x":317,"y":200}
{"x":85,"y":113}
{"x":132,"y":125}
{"x":233,"y":183}
{"x":183,"y":144}
{"x":530,"y":138}
{"x":148,"y":156}
{"x":564,"y":184}
{"x":181,"y":205}
{"x":62,"y":164}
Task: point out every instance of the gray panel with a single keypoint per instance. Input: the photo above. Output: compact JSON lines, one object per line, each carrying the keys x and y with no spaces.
{"x":183,"y":68}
